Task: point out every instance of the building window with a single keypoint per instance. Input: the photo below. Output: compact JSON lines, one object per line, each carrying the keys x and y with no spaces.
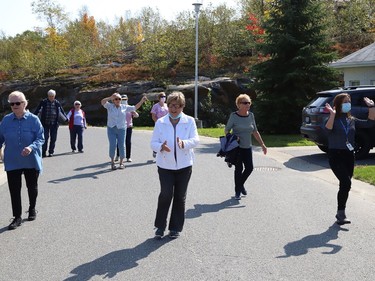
{"x":354,"y":83}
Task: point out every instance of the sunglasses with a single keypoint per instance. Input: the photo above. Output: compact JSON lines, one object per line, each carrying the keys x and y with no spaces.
{"x":76,"y":104}
{"x":117,"y":99}
{"x":163,"y":96}
{"x":245,"y":102}
{"x":16,"y":103}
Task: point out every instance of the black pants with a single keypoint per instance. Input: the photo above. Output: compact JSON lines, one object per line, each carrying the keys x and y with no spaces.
{"x":342,"y":164}
{"x":243,"y":168}
{"x":76,"y":133}
{"x":49,"y":131}
{"x":128,"y":143}
{"x":173,"y":185}
{"x":15,"y":183}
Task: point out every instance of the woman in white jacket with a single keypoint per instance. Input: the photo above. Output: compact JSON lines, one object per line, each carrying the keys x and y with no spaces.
{"x":175,"y":135}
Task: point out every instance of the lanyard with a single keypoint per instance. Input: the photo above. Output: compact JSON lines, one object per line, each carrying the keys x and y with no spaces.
{"x":346,"y":129}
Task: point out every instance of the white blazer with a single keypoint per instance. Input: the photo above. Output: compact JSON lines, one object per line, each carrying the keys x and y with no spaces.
{"x":186,"y":130}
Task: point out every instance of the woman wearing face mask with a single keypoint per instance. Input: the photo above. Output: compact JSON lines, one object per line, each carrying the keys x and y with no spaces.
{"x":159,"y":110}
{"x":174,"y":137}
{"x":340,"y":127}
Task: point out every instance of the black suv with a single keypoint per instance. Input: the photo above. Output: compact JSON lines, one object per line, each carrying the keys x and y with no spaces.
{"x":314,"y":116}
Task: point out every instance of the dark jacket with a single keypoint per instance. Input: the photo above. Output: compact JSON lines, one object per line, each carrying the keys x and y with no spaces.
{"x":42,"y":109}
{"x":229,"y":149}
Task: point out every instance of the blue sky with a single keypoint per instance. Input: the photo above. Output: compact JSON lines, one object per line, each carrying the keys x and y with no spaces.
{"x":16,"y":15}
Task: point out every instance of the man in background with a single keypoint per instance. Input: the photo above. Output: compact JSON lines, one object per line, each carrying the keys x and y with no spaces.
{"x":49,"y":110}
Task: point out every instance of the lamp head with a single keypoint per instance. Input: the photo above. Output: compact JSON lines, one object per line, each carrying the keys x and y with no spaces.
{"x":197,"y":4}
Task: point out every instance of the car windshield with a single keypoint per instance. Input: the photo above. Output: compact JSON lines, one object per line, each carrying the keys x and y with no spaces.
{"x":320,"y":101}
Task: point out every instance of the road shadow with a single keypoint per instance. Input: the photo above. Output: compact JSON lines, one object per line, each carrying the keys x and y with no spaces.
{"x":321,"y":240}
{"x":109,"y":265}
{"x":102,"y":168}
{"x":319,"y":161}
{"x":200,"y":209}
{"x":5,"y":228}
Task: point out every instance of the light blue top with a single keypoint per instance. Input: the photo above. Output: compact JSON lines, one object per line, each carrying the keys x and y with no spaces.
{"x":17,"y":134}
{"x":242,"y":127}
{"x":117,"y":115}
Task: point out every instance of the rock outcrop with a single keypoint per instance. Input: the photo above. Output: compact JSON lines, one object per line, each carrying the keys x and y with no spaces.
{"x":213,"y":94}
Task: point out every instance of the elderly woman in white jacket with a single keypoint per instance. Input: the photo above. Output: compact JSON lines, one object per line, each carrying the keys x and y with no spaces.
{"x":174,"y":137}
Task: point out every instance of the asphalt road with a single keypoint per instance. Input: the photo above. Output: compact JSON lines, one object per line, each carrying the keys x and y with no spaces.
{"x":95,"y":224}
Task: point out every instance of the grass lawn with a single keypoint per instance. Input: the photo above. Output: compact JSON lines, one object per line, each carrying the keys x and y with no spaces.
{"x":365,"y":173}
{"x":362,"y":173}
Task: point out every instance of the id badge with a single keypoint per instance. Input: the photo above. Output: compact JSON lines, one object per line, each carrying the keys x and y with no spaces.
{"x":349,"y":146}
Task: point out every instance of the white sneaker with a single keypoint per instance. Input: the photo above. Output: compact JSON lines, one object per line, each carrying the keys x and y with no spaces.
{"x":128,"y":159}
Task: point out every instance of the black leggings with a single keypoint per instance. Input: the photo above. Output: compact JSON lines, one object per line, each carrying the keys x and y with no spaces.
{"x":342,"y":165}
{"x":15,"y":183}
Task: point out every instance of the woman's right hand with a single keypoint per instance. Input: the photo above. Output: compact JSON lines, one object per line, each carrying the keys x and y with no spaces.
{"x":330,"y":109}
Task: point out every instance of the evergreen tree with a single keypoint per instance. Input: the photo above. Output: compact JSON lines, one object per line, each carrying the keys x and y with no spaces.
{"x":297,"y":52}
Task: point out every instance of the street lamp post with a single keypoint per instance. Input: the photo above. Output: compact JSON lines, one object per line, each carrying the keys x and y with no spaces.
{"x":197,"y":6}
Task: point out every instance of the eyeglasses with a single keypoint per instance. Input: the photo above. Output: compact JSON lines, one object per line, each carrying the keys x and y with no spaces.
{"x":177,"y":106}
{"x":117,"y":99}
{"x":245,"y":102}
{"x":16,"y":103}
{"x":76,"y":104}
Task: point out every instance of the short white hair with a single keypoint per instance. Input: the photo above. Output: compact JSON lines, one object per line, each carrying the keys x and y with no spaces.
{"x":51,"y":93}
{"x":18,"y":94}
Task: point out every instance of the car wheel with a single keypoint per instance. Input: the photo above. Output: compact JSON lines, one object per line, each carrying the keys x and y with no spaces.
{"x":362,"y":145}
{"x":323,"y":148}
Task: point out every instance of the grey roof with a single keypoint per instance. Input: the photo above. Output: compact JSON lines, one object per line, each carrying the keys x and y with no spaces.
{"x":360,"y":58}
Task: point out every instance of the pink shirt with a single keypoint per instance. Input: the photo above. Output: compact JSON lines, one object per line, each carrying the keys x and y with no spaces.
{"x":159,"y":111}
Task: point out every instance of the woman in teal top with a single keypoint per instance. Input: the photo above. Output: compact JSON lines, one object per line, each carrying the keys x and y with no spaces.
{"x":23,"y":135}
{"x":242,"y":124}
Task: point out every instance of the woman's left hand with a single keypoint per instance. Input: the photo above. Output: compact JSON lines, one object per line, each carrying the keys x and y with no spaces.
{"x":369,"y":103}
{"x":264,"y":148}
{"x":180,"y":143}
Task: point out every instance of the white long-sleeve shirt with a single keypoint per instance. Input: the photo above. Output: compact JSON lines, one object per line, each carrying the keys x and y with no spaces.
{"x":177,"y":158}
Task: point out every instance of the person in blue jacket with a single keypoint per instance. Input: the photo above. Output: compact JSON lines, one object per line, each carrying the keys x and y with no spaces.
{"x":22,"y":134}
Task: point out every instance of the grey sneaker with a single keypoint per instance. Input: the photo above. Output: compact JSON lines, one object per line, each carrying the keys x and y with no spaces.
{"x":159,"y":233}
{"x":237,"y":196}
{"x":341,"y":218}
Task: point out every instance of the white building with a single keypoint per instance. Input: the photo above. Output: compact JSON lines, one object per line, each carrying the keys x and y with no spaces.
{"x":359,"y":67}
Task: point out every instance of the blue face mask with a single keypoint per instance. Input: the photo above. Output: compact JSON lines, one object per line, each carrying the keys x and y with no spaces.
{"x":174,"y":118}
{"x":346,"y":107}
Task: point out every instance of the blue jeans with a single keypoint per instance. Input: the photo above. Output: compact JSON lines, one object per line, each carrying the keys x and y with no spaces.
{"x":49,"y":131}
{"x":76,"y":133}
{"x":116,"y":138}
{"x":244,"y":160}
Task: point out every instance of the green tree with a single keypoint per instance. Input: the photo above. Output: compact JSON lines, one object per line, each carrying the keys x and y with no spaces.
{"x":50,"y":11}
{"x":298,"y":49}
{"x":351,"y":23}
